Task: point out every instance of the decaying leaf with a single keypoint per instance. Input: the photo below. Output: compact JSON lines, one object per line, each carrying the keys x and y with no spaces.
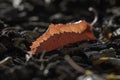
{"x":59,"y":35}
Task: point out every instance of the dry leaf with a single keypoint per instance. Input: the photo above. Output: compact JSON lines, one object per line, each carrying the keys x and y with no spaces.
{"x":59,"y":35}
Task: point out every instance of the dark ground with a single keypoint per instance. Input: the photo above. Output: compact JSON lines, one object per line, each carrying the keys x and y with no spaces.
{"x":21,"y":23}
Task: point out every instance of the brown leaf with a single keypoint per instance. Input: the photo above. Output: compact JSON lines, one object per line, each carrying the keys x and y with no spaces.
{"x":59,"y":35}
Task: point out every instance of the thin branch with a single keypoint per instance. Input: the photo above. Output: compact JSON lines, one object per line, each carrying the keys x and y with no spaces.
{"x":96,"y":15}
{"x":74,"y":64}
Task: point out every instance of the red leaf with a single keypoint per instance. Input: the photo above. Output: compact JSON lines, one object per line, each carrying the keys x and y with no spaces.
{"x":59,"y":35}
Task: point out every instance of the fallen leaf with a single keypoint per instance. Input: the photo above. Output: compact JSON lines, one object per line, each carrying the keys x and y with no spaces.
{"x":59,"y":35}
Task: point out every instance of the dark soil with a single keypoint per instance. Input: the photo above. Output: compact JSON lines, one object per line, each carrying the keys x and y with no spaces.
{"x":23,"y":22}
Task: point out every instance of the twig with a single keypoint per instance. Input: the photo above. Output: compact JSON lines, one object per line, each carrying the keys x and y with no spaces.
{"x":42,"y":57}
{"x":46,"y":70}
{"x":4,"y":62}
{"x":18,"y":60}
{"x":74,"y":65}
{"x":96,"y":15}
{"x":53,"y":56}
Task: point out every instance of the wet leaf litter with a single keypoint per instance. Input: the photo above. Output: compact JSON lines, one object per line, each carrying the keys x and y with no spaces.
{"x":49,"y":40}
